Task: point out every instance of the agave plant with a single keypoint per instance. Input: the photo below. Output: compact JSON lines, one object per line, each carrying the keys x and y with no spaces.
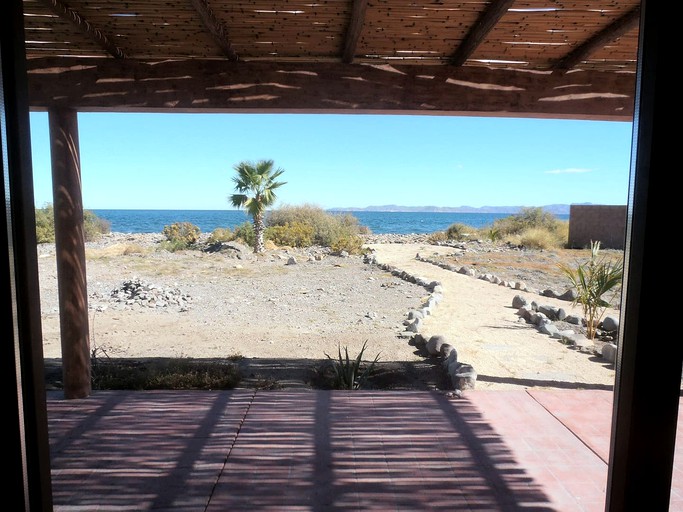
{"x":350,"y":373}
{"x":591,"y":281}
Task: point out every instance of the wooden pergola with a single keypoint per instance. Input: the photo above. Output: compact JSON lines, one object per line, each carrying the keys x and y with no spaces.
{"x":533,"y":58}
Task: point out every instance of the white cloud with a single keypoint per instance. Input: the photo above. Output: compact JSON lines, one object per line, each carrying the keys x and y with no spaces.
{"x":571,"y":170}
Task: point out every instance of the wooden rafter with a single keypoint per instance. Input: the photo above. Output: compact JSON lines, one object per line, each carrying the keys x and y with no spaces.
{"x":216,"y":28}
{"x":205,"y":85}
{"x":66,"y":12}
{"x":355,"y":28}
{"x":480,"y":29}
{"x":613,"y":31}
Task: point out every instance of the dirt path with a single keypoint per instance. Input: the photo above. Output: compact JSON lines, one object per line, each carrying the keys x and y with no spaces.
{"x":476,"y":317}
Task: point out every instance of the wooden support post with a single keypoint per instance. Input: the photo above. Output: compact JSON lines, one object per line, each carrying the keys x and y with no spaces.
{"x":70,"y":247}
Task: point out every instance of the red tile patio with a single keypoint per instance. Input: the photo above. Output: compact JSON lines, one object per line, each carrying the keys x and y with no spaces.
{"x":331,"y":450}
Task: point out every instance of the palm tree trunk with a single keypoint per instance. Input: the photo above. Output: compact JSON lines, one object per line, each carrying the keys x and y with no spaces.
{"x":258,"y":233}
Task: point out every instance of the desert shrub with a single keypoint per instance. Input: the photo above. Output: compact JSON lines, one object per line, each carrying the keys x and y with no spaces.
{"x":220,"y":235}
{"x":538,"y":238}
{"x":328,"y":229}
{"x":437,"y":237}
{"x":459,"y":231}
{"x":181,"y":235}
{"x":527,"y":218}
{"x":296,"y":234}
{"x":162,"y":374}
{"x":352,"y":244}
{"x":245,"y":233}
{"x":93,"y":226}
{"x":45,"y":224}
{"x":133,"y":249}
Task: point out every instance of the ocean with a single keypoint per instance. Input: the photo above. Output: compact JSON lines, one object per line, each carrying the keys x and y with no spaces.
{"x":153,"y":221}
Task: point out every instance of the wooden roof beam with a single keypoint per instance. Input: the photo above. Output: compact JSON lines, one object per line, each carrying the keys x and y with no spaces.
{"x":613,"y":31}
{"x":216,"y":28}
{"x":488,"y":19}
{"x":64,"y":11}
{"x":355,"y":28}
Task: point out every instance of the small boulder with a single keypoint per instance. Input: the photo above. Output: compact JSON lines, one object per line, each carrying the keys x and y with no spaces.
{"x":434,"y":344}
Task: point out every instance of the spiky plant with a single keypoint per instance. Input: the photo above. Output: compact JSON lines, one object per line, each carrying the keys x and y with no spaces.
{"x":350,"y":373}
{"x":255,"y":184}
{"x":591,"y":281}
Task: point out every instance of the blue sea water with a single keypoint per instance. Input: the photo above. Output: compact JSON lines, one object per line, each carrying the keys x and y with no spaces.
{"x":153,"y":221}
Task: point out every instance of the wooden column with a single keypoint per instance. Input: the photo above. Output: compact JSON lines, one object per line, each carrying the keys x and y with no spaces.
{"x":70,"y":246}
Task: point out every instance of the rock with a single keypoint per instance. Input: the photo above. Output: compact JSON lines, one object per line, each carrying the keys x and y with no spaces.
{"x":609,"y":323}
{"x":573,"y":319}
{"x":518,"y":301}
{"x":561,"y":314}
{"x":434,"y":344}
{"x":413,"y":314}
{"x":291,"y":261}
{"x":415,"y":325}
{"x":549,"y":293}
{"x":446,"y":350}
{"x":451,"y":358}
{"x":419,"y":340}
{"x":569,"y":295}
{"x":609,"y":352}
{"x":464,"y":377}
{"x":549,"y":311}
{"x":550,"y":329}
{"x":525,"y":313}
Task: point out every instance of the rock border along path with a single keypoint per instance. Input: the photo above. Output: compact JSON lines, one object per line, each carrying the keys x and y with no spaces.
{"x":478,"y":320}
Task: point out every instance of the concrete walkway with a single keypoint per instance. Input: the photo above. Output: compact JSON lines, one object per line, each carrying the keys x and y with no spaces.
{"x":331,"y":450}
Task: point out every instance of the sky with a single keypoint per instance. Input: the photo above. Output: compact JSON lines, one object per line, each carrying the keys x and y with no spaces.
{"x":186,"y":161}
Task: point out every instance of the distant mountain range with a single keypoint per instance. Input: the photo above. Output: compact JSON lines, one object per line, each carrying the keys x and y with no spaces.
{"x":555,"y":209}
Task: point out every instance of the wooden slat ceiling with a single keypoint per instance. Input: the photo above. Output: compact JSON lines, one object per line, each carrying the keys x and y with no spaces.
{"x":499,"y":57}
{"x":530,"y":34}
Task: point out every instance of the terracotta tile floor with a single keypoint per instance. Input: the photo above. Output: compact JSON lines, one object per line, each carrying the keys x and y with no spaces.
{"x":326,"y":451}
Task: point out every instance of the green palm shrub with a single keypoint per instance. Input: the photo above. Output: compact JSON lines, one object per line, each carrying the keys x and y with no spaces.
{"x":350,"y":373}
{"x":592,"y":280}
{"x":255,"y":184}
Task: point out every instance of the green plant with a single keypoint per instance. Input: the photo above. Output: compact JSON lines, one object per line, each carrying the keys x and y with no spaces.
{"x":337,"y":231}
{"x":245,"y":233}
{"x":296,"y":234}
{"x":493,"y":234}
{"x":350,"y":373}
{"x":45,"y":224}
{"x":220,"y":235}
{"x":527,"y":218}
{"x":255,"y":184}
{"x":591,"y":281}
{"x":93,"y":226}
{"x":459,"y":231}
{"x":352,"y":244}
{"x":181,"y":234}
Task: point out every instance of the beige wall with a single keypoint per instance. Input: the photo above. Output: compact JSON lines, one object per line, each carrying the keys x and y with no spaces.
{"x":605,"y":223}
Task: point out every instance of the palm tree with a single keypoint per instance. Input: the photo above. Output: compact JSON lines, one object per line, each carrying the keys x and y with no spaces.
{"x":255,"y":184}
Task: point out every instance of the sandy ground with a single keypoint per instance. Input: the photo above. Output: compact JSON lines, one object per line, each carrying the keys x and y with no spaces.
{"x":265,"y":310}
{"x":476,"y":317}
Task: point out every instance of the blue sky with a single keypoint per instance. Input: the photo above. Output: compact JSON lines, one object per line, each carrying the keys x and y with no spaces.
{"x":185,"y":161}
